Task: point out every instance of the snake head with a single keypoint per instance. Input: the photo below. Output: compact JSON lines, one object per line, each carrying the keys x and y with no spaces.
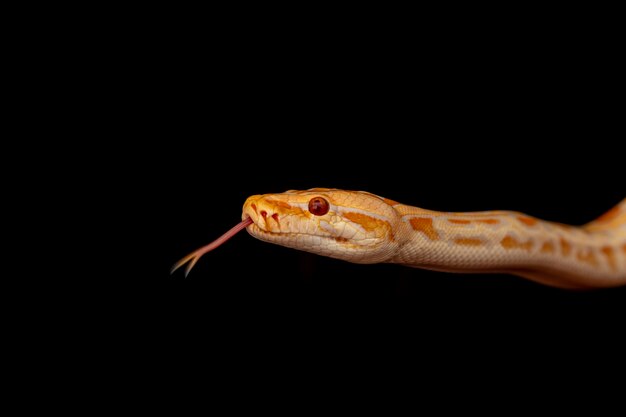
{"x":353,"y":226}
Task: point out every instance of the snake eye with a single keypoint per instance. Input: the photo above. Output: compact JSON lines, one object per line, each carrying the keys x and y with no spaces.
{"x":318,"y":206}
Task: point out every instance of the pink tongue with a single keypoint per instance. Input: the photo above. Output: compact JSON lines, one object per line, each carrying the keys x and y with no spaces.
{"x":194,"y":256}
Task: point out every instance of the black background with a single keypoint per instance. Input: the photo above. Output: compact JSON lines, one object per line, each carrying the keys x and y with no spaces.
{"x":207,"y":117}
{"x":182,"y":114}
{"x":138,"y":135}
{"x":461,"y":128}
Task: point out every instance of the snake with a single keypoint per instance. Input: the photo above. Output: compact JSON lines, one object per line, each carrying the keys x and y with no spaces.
{"x":364,"y":228}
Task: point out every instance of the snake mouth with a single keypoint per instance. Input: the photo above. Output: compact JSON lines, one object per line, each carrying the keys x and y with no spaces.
{"x":289,"y":239}
{"x":257,"y":231}
{"x":258,"y":228}
{"x":330,"y":245}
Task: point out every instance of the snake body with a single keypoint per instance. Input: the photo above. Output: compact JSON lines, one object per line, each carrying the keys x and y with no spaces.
{"x":361,"y":227}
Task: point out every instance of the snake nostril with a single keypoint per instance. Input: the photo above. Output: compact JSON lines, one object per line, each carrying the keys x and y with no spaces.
{"x":264,"y":213}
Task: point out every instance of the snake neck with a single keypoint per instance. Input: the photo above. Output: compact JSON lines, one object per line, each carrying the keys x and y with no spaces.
{"x":593,"y":255}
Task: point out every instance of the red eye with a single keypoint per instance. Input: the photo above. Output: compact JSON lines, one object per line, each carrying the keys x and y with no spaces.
{"x":318,"y":206}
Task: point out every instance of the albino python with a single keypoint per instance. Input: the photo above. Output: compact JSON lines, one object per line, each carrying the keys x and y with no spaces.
{"x":361,"y":227}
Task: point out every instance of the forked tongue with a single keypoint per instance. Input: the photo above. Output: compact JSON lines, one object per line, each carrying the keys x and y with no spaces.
{"x":193,"y":257}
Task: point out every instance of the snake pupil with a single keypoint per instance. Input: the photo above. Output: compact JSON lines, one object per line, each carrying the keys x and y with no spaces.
{"x":318,"y":206}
